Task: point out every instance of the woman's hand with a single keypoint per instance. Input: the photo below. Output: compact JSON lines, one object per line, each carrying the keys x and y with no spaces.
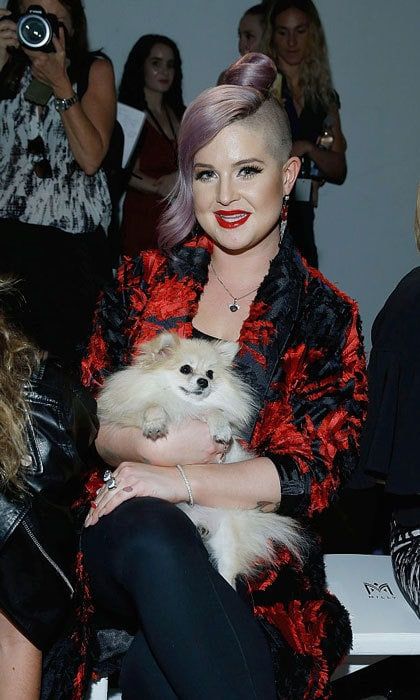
{"x":8,"y":37}
{"x":302,"y":148}
{"x":135,"y":479}
{"x":189,"y":443}
{"x":51,"y":68}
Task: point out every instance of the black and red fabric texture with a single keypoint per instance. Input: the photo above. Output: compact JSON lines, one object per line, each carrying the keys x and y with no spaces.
{"x":301,"y":350}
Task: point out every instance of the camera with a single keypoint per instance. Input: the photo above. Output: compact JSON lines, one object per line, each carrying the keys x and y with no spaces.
{"x":36,"y":29}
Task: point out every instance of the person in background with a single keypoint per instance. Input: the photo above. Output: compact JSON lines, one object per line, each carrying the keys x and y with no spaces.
{"x":390,"y":444}
{"x":190,"y":634}
{"x":251,"y":30}
{"x":54,"y":200}
{"x":47,"y":424}
{"x":151,"y":82}
{"x":299,"y":48}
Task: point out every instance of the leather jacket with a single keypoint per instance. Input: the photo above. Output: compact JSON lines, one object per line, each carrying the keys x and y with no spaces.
{"x":61,"y":427}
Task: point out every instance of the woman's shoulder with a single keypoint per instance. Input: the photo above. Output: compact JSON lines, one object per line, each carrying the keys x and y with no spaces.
{"x":96,"y":66}
{"x":58,"y":400}
{"x":320,"y":290}
{"x":141,"y":268}
{"x":396,"y":325}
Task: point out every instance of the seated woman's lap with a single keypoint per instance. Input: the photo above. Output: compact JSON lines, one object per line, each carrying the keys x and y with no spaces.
{"x":150,"y":571}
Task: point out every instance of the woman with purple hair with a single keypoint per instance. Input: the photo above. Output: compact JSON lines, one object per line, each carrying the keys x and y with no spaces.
{"x":226,"y":269}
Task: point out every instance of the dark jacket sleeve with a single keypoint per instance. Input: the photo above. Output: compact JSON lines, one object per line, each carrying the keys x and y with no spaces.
{"x":119,"y":304}
{"x":61,"y":427}
{"x":313,"y":430}
{"x":390,"y":444}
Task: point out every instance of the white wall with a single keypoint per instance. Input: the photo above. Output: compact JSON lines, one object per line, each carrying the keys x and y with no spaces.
{"x":363,"y":228}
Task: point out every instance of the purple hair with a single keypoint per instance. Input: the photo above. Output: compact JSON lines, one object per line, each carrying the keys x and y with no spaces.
{"x":246,"y":88}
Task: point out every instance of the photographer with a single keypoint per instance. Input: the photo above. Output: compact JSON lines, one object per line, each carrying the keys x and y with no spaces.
{"x":57,"y":111}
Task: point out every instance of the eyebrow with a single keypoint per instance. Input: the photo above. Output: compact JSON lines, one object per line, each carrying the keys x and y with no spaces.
{"x":238,"y":162}
{"x":298,"y":26}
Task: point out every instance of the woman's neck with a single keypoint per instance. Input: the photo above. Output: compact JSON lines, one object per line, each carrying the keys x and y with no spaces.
{"x":292,"y":75}
{"x":255,"y":260}
{"x":154,"y":100}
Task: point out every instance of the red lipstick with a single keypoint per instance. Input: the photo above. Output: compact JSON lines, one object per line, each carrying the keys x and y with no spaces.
{"x":231,"y":219}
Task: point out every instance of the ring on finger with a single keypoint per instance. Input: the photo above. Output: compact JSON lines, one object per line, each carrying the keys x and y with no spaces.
{"x":111,"y":483}
{"x":107,"y":476}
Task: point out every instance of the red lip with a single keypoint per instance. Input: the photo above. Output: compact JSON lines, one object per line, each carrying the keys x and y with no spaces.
{"x":232,"y":219}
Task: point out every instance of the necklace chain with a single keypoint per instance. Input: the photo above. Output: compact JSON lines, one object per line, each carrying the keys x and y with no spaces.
{"x":233,"y":306}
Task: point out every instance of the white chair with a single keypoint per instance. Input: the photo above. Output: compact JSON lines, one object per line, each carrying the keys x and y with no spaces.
{"x":382,"y":621}
{"x":99,"y":691}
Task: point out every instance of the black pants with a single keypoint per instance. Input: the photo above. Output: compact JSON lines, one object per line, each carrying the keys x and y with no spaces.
{"x":195,"y":638}
{"x":61,"y":275}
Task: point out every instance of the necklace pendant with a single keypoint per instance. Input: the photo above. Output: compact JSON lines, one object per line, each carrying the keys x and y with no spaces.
{"x":234,"y":306}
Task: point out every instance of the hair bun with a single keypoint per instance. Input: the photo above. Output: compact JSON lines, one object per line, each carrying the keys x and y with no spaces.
{"x":252,"y":70}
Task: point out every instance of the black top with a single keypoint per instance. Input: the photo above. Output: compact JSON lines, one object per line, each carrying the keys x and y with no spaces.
{"x":309,"y":124}
{"x":390,"y":447}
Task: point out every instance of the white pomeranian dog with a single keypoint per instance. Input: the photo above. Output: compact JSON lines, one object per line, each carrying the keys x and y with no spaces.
{"x":175,"y":378}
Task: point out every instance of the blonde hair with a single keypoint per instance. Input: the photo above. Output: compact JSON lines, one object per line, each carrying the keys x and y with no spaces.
{"x":315,"y":80}
{"x":417,"y":218}
{"x":18,"y":359}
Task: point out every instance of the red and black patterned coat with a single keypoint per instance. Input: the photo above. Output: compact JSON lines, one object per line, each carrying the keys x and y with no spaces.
{"x":301,"y":350}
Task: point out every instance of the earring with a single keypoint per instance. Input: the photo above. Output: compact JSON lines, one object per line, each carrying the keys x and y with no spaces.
{"x":283,"y":215}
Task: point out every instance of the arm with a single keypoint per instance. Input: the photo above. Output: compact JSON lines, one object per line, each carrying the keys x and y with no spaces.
{"x":189,"y":443}
{"x":88,"y":123}
{"x":8,"y":37}
{"x":109,"y":347}
{"x":247,"y":485}
{"x":314,"y":429}
{"x":332,"y":163}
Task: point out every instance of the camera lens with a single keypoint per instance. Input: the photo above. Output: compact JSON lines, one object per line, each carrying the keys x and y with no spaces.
{"x":34,"y":32}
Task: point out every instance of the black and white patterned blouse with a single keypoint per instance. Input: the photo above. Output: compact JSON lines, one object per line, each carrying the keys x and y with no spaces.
{"x":70,"y":199}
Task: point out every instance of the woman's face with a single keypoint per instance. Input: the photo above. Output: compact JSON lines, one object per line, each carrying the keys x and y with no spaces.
{"x":159,"y":69}
{"x":238,"y":187}
{"x":250,"y":32}
{"x":290,"y":36}
{"x":52,"y":7}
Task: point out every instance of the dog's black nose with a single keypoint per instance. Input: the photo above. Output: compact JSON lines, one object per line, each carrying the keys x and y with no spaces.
{"x":202,"y":383}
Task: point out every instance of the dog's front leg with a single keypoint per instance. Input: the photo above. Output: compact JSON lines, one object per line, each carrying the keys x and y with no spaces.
{"x":219,"y":427}
{"x":154,"y":422}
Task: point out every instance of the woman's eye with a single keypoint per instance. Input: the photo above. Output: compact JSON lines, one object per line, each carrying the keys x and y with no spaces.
{"x":209,"y":374}
{"x":204,"y":175}
{"x":249,"y":171}
{"x":185,"y":369}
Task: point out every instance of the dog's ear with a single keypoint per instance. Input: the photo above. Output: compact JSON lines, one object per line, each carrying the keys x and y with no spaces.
{"x":227,"y":350}
{"x":161,"y":346}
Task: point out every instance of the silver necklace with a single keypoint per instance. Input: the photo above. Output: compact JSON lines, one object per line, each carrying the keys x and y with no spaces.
{"x":233,"y":306}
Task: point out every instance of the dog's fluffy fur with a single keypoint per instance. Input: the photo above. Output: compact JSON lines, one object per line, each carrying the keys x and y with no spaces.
{"x":173,"y":379}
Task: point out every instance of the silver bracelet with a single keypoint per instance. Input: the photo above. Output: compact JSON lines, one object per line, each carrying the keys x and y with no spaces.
{"x":187,"y":484}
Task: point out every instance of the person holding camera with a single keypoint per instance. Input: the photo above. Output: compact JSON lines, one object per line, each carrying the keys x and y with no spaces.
{"x":57,"y":110}
{"x":299,"y":49}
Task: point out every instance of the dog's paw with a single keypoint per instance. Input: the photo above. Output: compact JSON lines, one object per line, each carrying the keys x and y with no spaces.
{"x":223,"y":436}
{"x":154,"y":432}
{"x":154,"y":423}
{"x":220,"y":429}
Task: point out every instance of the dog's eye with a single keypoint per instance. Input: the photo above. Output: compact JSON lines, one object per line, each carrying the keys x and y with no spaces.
{"x":186,"y":369}
{"x":209,"y":374}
